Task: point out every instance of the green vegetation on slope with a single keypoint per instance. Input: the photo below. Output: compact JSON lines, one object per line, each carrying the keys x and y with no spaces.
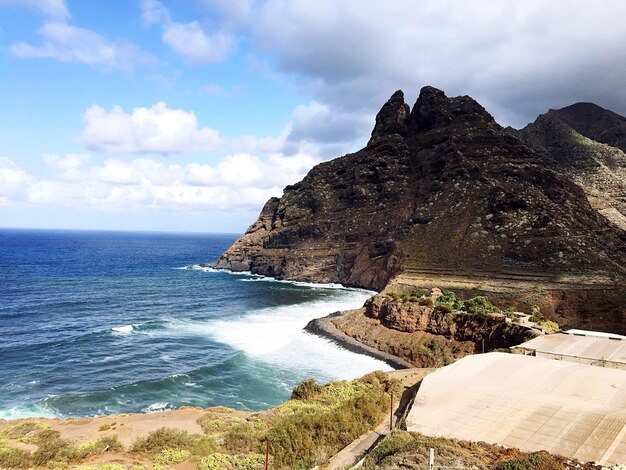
{"x":402,"y":449}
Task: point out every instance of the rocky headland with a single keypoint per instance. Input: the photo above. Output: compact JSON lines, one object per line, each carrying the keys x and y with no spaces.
{"x":442,"y":195}
{"x":423,"y":331}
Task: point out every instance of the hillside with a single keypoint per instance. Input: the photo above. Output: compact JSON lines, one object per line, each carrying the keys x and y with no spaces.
{"x":443,"y":195}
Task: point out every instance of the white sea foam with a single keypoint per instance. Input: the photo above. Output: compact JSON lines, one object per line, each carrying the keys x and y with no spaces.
{"x":28,"y":411}
{"x":156,"y":407}
{"x":276,"y":336}
{"x":313,"y":285}
{"x":126,"y":329}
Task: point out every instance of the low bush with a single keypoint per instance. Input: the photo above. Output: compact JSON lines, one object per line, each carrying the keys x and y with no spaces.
{"x":242,"y":437}
{"x":220,"y":461}
{"x":14,"y":458}
{"x":306,"y":390}
{"x":26,"y":431}
{"x":479,"y":305}
{"x":171,"y":456}
{"x":205,"y":446}
{"x":107,"y":466}
{"x":394,"y":443}
{"x":443,"y":308}
{"x":450,"y":298}
{"x":426,"y":301}
{"x":297,"y":440}
{"x":164,"y":438}
{"x":52,"y":448}
{"x":103,"y":444}
{"x":535,"y":461}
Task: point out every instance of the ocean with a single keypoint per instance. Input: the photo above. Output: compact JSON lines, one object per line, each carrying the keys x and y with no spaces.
{"x":96,"y":323}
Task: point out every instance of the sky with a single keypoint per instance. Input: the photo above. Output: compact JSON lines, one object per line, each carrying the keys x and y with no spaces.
{"x":187,"y":115}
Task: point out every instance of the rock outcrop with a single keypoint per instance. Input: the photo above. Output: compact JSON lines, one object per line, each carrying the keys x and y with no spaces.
{"x":442,"y":190}
{"x":492,"y":330}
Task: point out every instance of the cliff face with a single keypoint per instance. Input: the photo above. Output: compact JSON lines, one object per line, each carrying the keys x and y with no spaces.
{"x":439,"y":190}
{"x":410,"y":317}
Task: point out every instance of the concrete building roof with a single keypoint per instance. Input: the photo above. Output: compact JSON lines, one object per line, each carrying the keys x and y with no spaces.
{"x":530,"y":403}
{"x":599,"y":334}
{"x":582,"y":347}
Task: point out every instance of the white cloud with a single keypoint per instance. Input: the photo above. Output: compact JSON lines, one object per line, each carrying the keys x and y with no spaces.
{"x":517,"y":58}
{"x":234,"y":11}
{"x":189,"y":40}
{"x":13,"y":180}
{"x":67,"y":43}
{"x":320,"y":123}
{"x":53,"y":8}
{"x":157,"y":129}
{"x":153,"y":12}
{"x":238,"y":181}
{"x":69,"y":165}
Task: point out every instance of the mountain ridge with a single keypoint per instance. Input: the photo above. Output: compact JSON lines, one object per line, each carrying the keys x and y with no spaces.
{"x":443,"y":187}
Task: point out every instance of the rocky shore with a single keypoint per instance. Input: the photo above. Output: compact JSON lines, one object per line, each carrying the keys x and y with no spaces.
{"x":326,"y":328}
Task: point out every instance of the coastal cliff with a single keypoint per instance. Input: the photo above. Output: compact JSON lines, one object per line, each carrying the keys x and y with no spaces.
{"x":443,"y":195}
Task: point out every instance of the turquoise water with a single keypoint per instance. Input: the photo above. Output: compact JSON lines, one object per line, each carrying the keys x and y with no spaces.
{"x":103,"y":322}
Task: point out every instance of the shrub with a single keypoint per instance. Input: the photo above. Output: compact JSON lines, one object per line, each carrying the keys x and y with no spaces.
{"x":395,"y":442}
{"x":480,"y":305}
{"x":426,"y":301}
{"x":451,"y":299}
{"x":205,"y":446}
{"x":104,"y":444}
{"x":297,"y":439}
{"x":242,"y":437}
{"x":51,"y":447}
{"x":106,"y":466}
{"x":25,"y":431}
{"x":443,"y":308}
{"x":104,"y":427}
{"x":171,"y":456}
{"x":306,"y":390}
{"x":163,"y":438}
{"x":231,"y":462}
{"x":536,"y":461}
{"x":215,"y":462}
{"x":14,"y":458}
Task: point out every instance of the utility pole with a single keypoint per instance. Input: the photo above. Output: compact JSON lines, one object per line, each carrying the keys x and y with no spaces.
{"x":391,"y":413}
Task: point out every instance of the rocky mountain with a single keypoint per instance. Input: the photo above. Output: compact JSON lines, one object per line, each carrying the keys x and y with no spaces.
{"x":443,"y":195}
{"x":569,"y":145}
{"x":595,"y":122}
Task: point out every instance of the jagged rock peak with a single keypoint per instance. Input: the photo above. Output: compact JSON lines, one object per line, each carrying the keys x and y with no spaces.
{"x":391,"y":119}
{"x":434,"y":109}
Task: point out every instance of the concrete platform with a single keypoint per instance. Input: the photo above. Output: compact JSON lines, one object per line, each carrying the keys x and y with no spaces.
{"x":530,"y":403}
{"x":592,"y":350}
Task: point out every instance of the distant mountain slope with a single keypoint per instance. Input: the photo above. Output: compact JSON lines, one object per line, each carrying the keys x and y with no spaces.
{"x":596,"y":123}
{"x":598,"y":168}
{"x":439,"y":190}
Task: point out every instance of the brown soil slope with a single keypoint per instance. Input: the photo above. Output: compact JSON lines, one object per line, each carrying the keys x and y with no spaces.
{"x":442,"y":190}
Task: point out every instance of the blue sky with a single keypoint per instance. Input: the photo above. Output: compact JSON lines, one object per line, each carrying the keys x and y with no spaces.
{"x":187,"y":115}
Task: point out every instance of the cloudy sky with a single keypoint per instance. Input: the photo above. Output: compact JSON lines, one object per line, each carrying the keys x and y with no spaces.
{"x":186,"y":115}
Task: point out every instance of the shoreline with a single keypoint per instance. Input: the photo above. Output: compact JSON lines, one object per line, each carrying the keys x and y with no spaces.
{"x":325,"y":328}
